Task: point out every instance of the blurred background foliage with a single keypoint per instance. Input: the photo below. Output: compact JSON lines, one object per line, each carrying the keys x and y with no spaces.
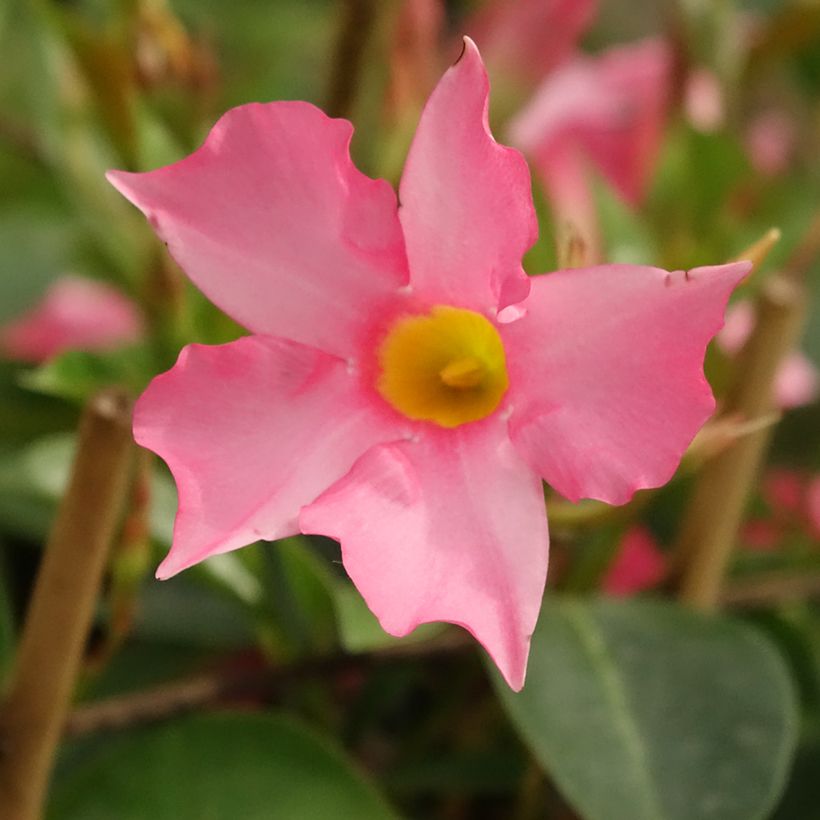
{"x":258,"y":684}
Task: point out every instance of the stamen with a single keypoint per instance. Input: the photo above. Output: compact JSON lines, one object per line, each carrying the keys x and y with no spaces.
{"x":463,"y":373}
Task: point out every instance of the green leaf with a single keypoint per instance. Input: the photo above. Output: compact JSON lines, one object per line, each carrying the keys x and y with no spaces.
{"x":76,"y":375}
{"x":645,"y":711}
{"x":217,"y":767}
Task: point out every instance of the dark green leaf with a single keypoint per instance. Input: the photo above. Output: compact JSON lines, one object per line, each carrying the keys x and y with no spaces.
{"x":645,"y":711}
{"x":217,"y":767}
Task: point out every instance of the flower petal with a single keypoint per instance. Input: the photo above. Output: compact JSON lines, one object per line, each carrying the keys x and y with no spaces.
{"x":271,"y":219}
{"x":75,"y":314}
{"x":606,"y":373}
{"x":252,"y":430}
{"x":466,"y":201}
{"x":448,"y":528}
{"x":610,"y":107}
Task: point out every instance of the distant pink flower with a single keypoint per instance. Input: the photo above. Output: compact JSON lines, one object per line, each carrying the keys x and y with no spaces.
{"x":770,"y":140}
{"x":797,"y":382}
{"x":407,"y":386}
{"x":703,"y":100}
{"x":639,"y":564}
{"x":528,"y":38}
{"x":604,"y":112}
{"x":75,"y":314}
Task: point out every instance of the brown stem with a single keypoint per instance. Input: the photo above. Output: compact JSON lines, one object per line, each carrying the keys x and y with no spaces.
{"x":355,"y":25}
{"x":62,"y":605}
{"x":715,"y":511}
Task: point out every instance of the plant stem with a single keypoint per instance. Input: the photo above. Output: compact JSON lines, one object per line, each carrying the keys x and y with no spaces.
{"x":62,"y":606}
{"x":357,"y":18}
{"x":716,"y":509}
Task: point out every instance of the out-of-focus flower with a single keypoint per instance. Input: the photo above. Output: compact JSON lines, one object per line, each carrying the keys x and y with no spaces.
{"x":770,"y":141}
{"x":703,"y":100}
{"x":528,"y":38}
{"x":638,"y":566}
{"x":797,"y":382}
{"x":792,"y":499}
{"x":407,"y":386}
{"x":606,"y":112}
{"x":75,"y":314}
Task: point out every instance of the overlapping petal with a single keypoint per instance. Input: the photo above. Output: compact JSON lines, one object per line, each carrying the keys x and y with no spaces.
{"x":606,"y":371}
{"x":466,"y":203}
{"x":447,"y":528}
{"x":274,"y":223}
{"x":252,"y":430}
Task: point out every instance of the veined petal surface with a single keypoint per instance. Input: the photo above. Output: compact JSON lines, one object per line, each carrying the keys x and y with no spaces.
{"x":606,"y":373}
{"x":273,"y":222}
{"x":451,"y":527}
{"x":251,"y":431}
{"x":466,"y":201}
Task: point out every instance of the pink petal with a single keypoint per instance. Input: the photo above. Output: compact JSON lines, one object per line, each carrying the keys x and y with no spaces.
{"x":797,"y":382}
{"x":611,"y":107}
{"x":447,"y":528}
{"x":252,"y":430}
{"x":274,"y":223}
{"x":528,"y":38}
{"x":75,"y":314}
{"x":466,"y":203}
{"x":639,"y":564}
{"x":606,"y":373}
{"x":703,"y":100}
{"x":771,"y":141}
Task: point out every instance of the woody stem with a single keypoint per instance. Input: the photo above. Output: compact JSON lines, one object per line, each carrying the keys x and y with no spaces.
{"x":62,"y":605}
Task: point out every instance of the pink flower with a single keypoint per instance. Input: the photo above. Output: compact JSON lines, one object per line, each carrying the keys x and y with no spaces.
{"x":606,"y":112}
{"x":528,"y":38}
{"x":407,"y":386}
{"x":639,"y":564}
{"x":797,"y":382}
{"x":703,"y":101}
{"x":771,"y":139}
{"x":76,"y":314}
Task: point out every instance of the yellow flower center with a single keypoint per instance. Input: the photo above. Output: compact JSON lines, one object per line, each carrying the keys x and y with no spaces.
{"x":446,"y":366}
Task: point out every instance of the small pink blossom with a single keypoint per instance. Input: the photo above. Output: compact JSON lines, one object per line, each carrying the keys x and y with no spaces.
{"x":406,"y":386}
{"x":638,"y":566}
{"x":797,"y":381}
{"x":770,"y":140}
{"x":75,"y":314}
{"x":703,"y":100}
